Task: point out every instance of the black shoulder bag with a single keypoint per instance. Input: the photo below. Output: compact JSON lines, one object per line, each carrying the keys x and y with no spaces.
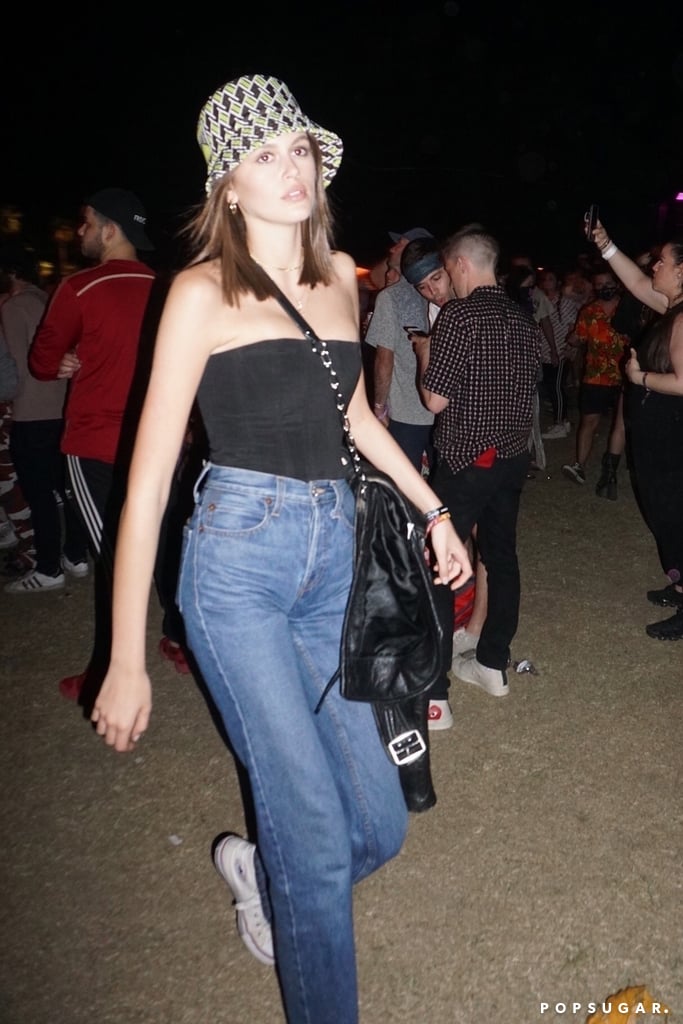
{"x":391,"y":638}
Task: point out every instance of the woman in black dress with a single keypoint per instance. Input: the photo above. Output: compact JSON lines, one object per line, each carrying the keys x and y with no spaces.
{"x":654,"y":415}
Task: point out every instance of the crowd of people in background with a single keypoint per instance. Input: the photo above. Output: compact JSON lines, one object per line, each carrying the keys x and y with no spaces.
{"x":588,"y":320}
{"x":593,"y":314}
{"x":475,"y":358}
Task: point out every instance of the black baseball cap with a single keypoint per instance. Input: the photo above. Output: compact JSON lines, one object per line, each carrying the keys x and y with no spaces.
{"x":124,"y":207}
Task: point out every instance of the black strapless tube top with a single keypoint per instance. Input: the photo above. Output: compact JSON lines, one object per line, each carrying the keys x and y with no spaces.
{"x":269,"y":407}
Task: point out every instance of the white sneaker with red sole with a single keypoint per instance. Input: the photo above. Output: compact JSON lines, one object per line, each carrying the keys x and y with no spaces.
{"x":439,"y":715}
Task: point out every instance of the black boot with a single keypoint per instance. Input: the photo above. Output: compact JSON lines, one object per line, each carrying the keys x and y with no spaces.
{"x":667,"y":629}
{"x":606,"y":486}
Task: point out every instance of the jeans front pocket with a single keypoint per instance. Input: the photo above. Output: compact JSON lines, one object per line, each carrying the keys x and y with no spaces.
{"x":234,"y":511}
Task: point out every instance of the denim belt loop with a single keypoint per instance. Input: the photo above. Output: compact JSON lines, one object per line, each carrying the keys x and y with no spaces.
{"x":206,"y":466}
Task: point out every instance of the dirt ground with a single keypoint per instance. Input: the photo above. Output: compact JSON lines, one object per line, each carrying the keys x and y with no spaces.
{"x":549,"y":871}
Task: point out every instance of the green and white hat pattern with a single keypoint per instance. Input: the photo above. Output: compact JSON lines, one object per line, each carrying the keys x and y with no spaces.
{"x":248,"y":113}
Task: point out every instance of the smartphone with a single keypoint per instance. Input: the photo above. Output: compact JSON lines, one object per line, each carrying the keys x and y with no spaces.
{"x":590,"y":219}
{"x":416,"y":331}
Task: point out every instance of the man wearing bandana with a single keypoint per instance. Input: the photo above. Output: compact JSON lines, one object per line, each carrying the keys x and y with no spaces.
{"x":604,"y":351}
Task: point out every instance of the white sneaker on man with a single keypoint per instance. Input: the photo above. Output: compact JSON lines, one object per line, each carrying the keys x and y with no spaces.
{"x":34,"y":582}
{"x":78,"y":569}
{"x":464,"y":641}
{"x":492,"y":680}
{"x":555,"y":432}
{"x":234,"y":860}
{"x":439,"y":715}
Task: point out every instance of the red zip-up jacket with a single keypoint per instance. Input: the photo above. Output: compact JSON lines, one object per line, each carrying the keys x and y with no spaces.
{"x":97,"y":313}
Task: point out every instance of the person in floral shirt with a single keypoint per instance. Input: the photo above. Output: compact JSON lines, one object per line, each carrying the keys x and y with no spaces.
{"x":604,"y":354}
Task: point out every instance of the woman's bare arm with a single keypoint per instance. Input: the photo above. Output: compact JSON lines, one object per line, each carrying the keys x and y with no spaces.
{"x":182,"y":347}
{"x":630,"y":274}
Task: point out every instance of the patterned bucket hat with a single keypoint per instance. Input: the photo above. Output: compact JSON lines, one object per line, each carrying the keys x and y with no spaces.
{"x":249,"y":112}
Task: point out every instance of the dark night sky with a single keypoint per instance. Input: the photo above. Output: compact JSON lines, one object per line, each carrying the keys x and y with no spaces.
{"x":517,"y":115}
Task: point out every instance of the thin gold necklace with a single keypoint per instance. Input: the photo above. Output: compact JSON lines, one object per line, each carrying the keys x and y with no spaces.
{"x":267,"y":266}
{"x":300,"y":303}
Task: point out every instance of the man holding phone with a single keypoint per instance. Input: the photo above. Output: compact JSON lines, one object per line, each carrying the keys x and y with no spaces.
{"x":398,"y":307}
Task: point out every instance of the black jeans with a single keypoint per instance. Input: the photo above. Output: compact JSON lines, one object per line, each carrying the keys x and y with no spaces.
{"x":413,"y":439}
{"x":34,"y":447}
{"x":488,"y":498}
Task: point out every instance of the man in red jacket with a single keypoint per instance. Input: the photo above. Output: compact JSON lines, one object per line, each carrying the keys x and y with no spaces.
{"x":91,"y":334}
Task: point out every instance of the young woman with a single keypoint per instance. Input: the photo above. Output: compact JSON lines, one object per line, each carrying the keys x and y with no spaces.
{"x":653,"y":414}
{"x":267,"y":557}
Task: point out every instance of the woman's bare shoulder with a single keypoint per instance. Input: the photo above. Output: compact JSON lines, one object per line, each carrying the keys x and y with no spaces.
{"x":201,"y":280}
{"x":195,"y":312}
{"x":344,"y":264}
{"x":197,"y":292}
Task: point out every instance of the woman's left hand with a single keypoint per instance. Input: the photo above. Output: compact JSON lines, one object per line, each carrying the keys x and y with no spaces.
{"x":632,"y":367}
{"x":453,"y":565}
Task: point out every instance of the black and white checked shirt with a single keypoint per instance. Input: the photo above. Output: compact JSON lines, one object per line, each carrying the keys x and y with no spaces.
{"x":484,"y":358}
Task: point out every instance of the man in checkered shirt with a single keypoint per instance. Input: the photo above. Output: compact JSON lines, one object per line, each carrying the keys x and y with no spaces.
{"x":478,"y":375}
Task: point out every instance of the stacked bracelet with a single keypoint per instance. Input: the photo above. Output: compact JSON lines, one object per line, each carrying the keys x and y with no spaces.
{"x":436,"y":512}
{"x":437,"y":515}
{"x":431,"y":523}
{"x":609,"y":251}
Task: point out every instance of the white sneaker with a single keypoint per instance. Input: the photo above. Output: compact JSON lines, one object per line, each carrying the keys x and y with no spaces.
{"x":234,"y":860}
{"x":8,"y":538}
{"x":33,"y":582}
{"x":575,"y":472}
{"x":464,"y":641}
{"x":559,"y":430}
{"x":439,"y":715}
{"x":78,"y":569}
{"x":493,"y":680}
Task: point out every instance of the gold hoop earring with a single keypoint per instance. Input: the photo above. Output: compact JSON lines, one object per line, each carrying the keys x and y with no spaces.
{"x":233,"y":208}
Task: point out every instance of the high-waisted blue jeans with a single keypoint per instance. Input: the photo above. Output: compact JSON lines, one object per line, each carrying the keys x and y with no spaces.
{"x":264,"y":580}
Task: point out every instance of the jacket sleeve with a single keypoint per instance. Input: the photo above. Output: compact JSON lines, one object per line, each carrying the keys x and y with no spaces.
{"x":16,"y":330}
{"x":58,"y":333}
{"x":9,"y":377}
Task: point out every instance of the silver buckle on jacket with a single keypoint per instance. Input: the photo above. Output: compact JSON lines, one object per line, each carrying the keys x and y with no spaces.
{"x":407,"y":747}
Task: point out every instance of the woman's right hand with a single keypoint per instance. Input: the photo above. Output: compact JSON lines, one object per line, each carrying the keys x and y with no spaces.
{"x":123,"y":707}
{"x":453,"y":566}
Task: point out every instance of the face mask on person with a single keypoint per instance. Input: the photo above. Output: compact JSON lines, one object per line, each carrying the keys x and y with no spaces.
{"x":608,"y":291}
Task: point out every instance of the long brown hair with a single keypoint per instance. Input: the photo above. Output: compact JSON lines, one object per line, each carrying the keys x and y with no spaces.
{"x":217,"y":234}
